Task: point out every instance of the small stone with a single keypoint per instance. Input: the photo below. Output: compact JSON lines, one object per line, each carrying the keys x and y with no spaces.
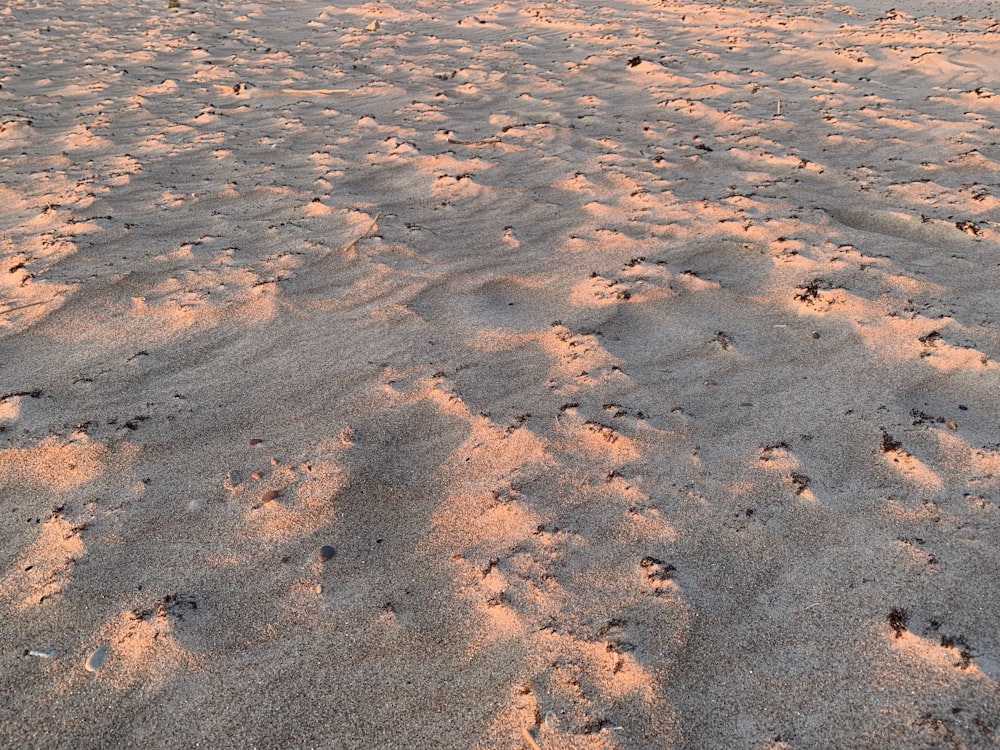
{"x":815,"y":334}
{"x":42,"y":653}
{"x":255,"y":441}
{"x":326,"y":552}
{"x":269,"y":496}
{"x":319,"y":588}
{"x":197,"y":504}
{"x":96,"y":660}
{"x":256,"y":475}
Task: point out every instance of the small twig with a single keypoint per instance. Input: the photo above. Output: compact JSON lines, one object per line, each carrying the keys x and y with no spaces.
{"x":814,"y":604}
{"x":494,"y":139}
{"x":413,"y":225}
{"x":29,"y":304}
{"x":485,"y":142}
{"x":352,"y":243}
{"x":317,"y":92}
{"x":239,"y":88}
{"x":529,"y":739}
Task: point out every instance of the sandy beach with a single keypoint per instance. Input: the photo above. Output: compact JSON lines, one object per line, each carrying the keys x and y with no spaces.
{"x":474,"y":375}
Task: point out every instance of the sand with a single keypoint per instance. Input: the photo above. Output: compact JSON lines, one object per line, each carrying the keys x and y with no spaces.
{"x":499,"y":375}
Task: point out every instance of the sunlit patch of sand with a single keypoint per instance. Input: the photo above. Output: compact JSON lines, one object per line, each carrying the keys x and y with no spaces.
{"x":616,"y":674}
{"x":573,"y":353}
{"x":81,"y":137}
{"x":648,"y":523}
{"x":10,"y":408}
{"x":884,"y":329}
{"x":44,"y":569}
{"x":778,"y":458}
{"x":934,"y":661}
{"x":55,"y":464}
{"x":949,"y":358}
{"x":985,"y":462}
{"x":317,"y":208}
{"x":600,"y":291}
{"x":911,"y":510}
{"x":16,"y":133}
{"x":26,"y":296}
{"x":914,"y":470}
{"x":13,"y":201}
{"x":601,"y":441}
{"x":497,"y":620}
{"x":143,"y":652}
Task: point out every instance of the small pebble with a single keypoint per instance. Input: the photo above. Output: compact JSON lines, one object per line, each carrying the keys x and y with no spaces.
{"x":197,"y":504}
{"x":96,"y":660}
{"x":326,"y":552}
{"x":255,"y":441}
{"x":319,"y":588}
{"x":815,"y":334}
{"x":42,"y":653}
{"x":269,"y":496}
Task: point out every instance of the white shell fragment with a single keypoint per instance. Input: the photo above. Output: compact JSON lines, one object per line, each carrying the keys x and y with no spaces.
{"x":97,"y":658}
{"x":197,"y":504}
{"x":42,"y":653}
